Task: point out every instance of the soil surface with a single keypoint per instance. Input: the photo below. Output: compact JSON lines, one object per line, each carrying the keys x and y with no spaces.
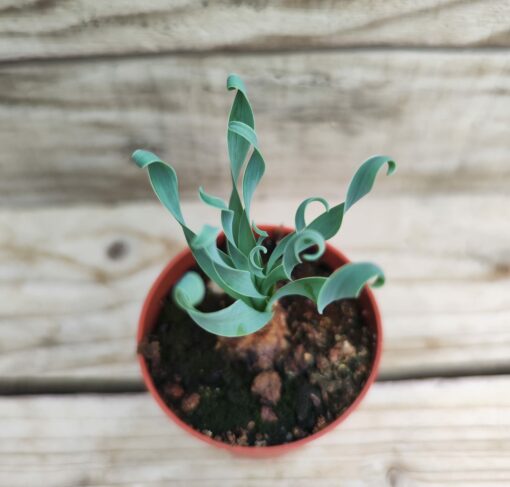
{"x":291,"y":379}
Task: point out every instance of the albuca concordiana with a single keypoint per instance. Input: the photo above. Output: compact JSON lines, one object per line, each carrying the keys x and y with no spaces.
{"x":240,"y":270}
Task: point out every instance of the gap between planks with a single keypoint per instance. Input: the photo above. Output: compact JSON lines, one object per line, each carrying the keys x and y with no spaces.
{"x":234,"y":52}
{"x":67,"y":386}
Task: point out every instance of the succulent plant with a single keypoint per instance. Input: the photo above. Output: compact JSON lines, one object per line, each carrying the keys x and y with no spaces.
{"x":239,"y":269}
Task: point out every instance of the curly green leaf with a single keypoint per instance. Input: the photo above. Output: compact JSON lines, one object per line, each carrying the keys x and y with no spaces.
{"x":214,"y":263}
{"x":258,"y":231}
{"x":279,"y":250}
{"x":308,"y":286}
{"x":241,"y":112}
{"x":236,"y":320}
{"x":300,"y":212}
{"x":329,"y":222}
{"x":227,"y":216}
{"x":364,"y":178}
{"x":252,"y":176}
{"x":192,"y":286}
{"x":205,"y":238}
{"x":245,"y":238}
{"x":277,"y":274}
{"x":163,"y":180}
{"x":299,"y":243}
{"x":238,"y":281}
{"x":213,"y":201}
{"x":245,"y":131}
{"x":254,"y":259}
{"x":348,"y":281}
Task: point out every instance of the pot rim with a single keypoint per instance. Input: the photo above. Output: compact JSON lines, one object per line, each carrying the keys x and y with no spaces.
{"x":253,"y":451}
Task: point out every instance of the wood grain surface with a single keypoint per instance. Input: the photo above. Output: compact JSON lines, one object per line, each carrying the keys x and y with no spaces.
{"x":85,"y":82}
{"x":41,"y":29}
{"x":73,"y":280}
{"x":423,"y":433}
{"x":67,"y":129}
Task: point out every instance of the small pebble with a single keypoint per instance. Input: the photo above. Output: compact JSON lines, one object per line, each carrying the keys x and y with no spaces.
{"x":268,"y":386}
{"x":242,"y":440}
{"x":320,"y":424}
{"x":348,"y":309}
{"x":268,"y":415}
{"x":297,"y":432}
{"x":342,"y":351}
{"x":322,"y":363}
{"x":316,"y":400}
{"x":151,"y":351}
{"x":175,"y":391}
{"x":308,"y":315}
{"x":190,"y":403}
{"x":325,"y":321}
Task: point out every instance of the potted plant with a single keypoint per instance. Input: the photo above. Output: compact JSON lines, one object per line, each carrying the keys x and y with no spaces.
{"x":259,"y":338}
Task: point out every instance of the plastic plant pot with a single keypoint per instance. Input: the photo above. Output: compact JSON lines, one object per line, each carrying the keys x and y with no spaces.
{"x":171,"y":274}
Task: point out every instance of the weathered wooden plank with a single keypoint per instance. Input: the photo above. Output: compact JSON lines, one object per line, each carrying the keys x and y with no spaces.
{"x":41,"y":29}
{"x":67,"y":130}
{"x":72,"y":282}
{"x":426,"y":433}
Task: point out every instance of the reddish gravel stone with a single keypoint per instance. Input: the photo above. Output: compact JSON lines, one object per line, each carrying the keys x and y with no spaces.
{"x":190,"y":403}
{"x":268,"y":386}
{"x":268,"y":415}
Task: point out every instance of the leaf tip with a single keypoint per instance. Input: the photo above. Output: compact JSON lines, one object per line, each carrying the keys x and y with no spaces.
{"x":189,"y":291}
{"x":142,"y":157}
{"x":234,"y":82}
{"x":392,"y":168}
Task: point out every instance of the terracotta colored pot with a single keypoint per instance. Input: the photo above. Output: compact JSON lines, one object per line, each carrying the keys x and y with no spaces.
{"x":152,"y":307}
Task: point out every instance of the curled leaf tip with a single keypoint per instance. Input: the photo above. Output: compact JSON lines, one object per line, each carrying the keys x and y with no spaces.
{"x":210,"y":200}
{"x":348,"y":281}
{"x":234,"y":82}
{"x":298,"y":243}
{"x":190,"y":289}
{"x":364,"y":179}
{"x":258,"y":231}
{"x":300,"y":212}
{"x":205,"y":238}
{"x":392,"y":167}
{"x":143,"y":157}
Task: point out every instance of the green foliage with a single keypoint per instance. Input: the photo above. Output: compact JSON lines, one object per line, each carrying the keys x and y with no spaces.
{"x":240,"y":270}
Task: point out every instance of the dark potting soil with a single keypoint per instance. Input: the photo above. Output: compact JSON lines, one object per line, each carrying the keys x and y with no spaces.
{"x":291,"y":379}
